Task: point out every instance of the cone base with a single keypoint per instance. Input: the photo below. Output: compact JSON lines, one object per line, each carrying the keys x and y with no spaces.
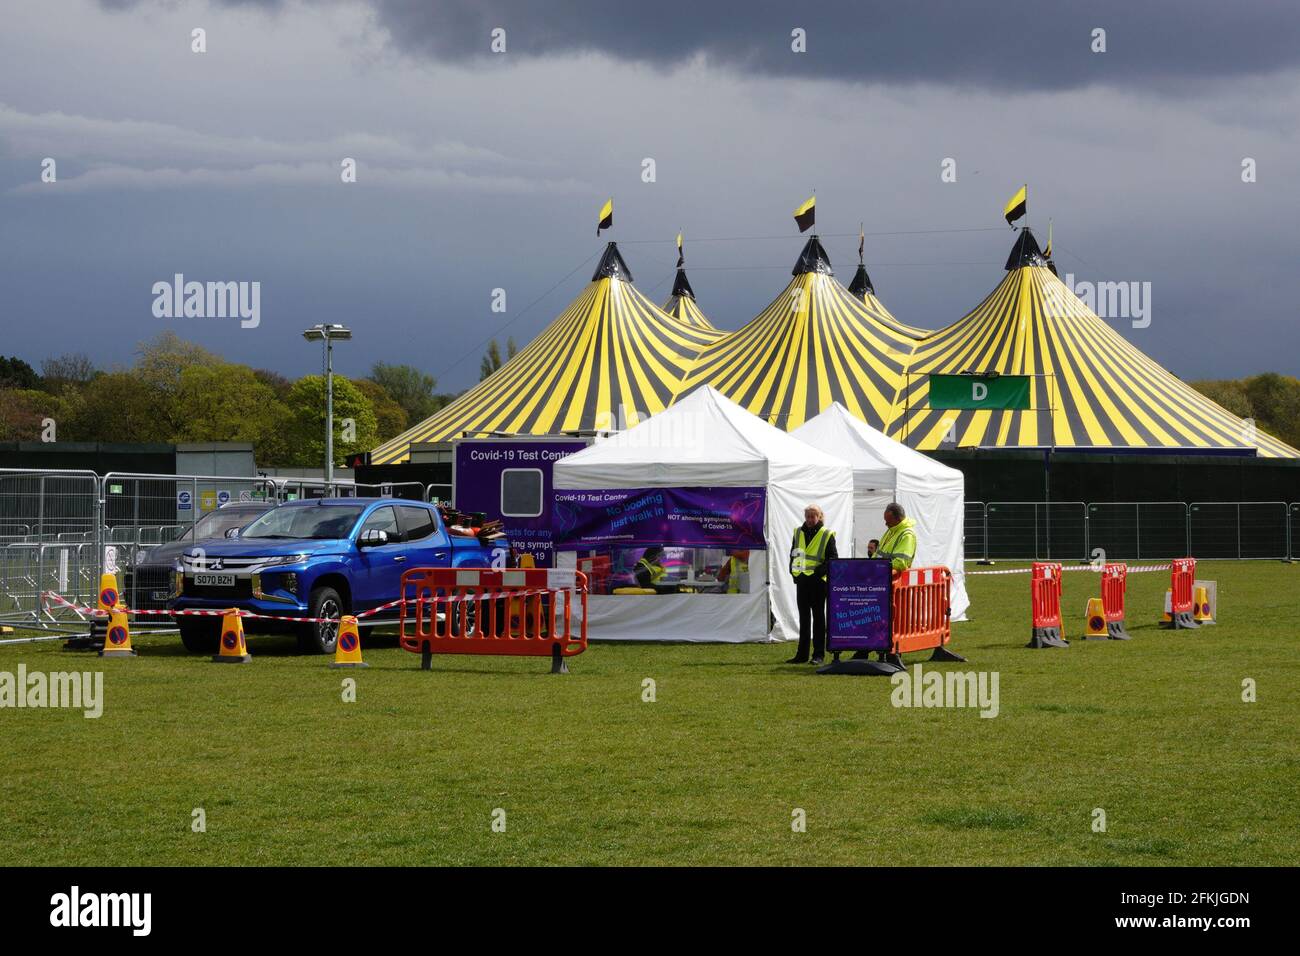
{"x":232,"y":659}
{"x":129,"y":652}
{"x":348,"y":664}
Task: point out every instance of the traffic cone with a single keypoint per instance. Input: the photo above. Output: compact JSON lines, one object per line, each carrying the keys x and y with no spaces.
{"x":233,"y":649}
{"x":117,"y":640}
{"x":347,"y":649}
{"x":109,"y":597}
{"x":1201,"y":611}
{"x":1168,"y":617}
{"x":1094,"y":621}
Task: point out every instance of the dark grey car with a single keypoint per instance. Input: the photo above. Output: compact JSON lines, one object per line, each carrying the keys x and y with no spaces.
{"x":148,"y":578}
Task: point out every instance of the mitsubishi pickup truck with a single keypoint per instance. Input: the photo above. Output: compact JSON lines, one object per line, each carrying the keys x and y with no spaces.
{"x":319,"y":558}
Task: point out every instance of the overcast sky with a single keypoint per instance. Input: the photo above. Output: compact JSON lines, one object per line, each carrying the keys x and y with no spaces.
{"x":481,"y":170}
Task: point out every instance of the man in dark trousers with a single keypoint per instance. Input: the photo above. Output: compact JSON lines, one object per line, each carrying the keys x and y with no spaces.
{"x":810,"y":555}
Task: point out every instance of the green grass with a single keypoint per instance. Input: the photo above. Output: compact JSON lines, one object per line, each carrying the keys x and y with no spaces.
{"x":1152,"y":731}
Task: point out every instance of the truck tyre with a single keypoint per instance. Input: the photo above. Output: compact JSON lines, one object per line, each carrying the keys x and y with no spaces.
{"x":199,"y":635}
{"x":321,"y":638}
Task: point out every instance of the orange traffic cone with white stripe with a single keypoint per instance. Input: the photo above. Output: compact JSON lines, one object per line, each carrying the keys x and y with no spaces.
{"x":347,"y":649}
{"x":232,"y":649}
{"x":117,"y":639}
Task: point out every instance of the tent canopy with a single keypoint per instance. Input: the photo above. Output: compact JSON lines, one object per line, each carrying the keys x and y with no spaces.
{"x":705,"y":440}
{"x":607,"y":361}
{"x":815,"y":344}
{"x":1091,"y":387}
{"x":883,"y":471}
{"x":681,"y":304}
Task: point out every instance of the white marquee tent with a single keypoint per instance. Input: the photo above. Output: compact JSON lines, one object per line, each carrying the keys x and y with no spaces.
{"x":706,"y":440}
{"x":885,"y":470}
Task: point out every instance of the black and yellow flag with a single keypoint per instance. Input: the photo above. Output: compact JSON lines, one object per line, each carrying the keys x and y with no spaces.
{"x":806,"y":215}
{"x":681,"y":255}
{"x":606,"y":216}
{"x":1016,"y":207}
{"x":862,"y":243}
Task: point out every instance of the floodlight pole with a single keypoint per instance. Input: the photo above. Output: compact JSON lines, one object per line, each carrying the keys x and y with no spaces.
{"x":327,"y":334}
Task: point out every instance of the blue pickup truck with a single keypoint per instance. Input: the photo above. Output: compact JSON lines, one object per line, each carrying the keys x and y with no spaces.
{"x":320,"y":558}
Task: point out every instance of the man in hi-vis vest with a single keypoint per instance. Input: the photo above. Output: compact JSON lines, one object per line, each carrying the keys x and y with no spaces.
{"x":899,"y":541}
{"x":810,"y":555}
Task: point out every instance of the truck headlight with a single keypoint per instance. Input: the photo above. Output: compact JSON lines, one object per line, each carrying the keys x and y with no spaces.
{"x":277,"y":560}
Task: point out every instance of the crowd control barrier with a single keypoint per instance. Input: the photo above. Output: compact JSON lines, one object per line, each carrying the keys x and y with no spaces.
{"x":1045,"y":598}
{"x":597,"y":568}
{"x":518,"y":611}
{"x":1182,"y":576}
{"x":1114,"y":584}
{"x":920,"y":619}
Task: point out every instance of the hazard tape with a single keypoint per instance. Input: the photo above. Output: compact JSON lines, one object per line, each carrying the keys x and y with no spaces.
{"x":210,"y":612}
{"x":1081,"y":567}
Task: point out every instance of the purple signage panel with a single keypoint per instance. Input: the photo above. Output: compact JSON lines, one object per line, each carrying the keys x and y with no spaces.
{"x":510,"y":479}
{"x":857,"y":604}
{"x":683,"y":517}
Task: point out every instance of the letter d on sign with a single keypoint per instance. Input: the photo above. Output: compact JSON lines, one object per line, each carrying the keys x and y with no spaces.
{"x":978,"y":391}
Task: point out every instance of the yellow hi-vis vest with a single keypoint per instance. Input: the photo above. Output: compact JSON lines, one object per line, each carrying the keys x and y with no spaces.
{"x":808,"y":554}
{"x":656,"y":570}
{"x":737,"y":567}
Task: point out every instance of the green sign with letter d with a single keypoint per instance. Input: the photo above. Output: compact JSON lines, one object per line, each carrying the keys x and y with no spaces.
{"x":980,"y":391}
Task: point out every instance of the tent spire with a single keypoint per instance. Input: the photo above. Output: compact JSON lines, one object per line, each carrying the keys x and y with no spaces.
{"x":1025,"y":251}
{"x":612,"y":265}
{"x":812,"y":259}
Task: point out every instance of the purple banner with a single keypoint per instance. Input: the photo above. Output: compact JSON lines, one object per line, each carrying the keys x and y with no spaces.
{"x":510,"y":479}
{"x":684,"y":517}
{"x":858,"y":607}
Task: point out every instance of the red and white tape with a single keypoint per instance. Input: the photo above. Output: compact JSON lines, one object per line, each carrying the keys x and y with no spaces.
{"x":48,"y":596}
{"x":1133,"y":569}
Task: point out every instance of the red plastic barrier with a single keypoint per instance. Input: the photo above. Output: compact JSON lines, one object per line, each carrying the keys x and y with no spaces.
{"x":1114,"y":583}
{"x":1182,"y":577}
{"x":519,"y":611}
{"x":1046,"y":584}
{"x":921,"y":609}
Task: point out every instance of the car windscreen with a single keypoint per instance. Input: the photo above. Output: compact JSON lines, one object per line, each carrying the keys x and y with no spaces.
{"x":311,"y":521}
{"x":216,"y":524}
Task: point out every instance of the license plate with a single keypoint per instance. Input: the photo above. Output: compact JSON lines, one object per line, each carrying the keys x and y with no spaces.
{"x":214,"y":580}
{"x":161,"y":595}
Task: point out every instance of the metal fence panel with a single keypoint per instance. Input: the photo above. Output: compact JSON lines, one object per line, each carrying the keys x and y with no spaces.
{"x":1238,"y":529}
{"x":1138,"y":529}
{"x":975,"y":539}
{"x":1037,"y":530}
{"x":49,"y":538}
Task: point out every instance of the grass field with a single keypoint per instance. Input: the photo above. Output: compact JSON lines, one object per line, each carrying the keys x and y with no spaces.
{"x":1153,"y":731}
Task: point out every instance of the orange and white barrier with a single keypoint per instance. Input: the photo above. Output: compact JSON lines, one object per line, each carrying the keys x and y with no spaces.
{"x":1182,"y":577}
{"x":1045,"y":603}
{"x":517,"y":611}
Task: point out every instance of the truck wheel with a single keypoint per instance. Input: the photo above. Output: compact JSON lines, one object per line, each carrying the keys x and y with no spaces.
{"x":199,"y":635}
{"x":321,"y":638}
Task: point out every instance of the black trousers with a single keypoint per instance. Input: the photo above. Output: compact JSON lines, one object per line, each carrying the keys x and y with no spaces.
{"x":810,"y":590}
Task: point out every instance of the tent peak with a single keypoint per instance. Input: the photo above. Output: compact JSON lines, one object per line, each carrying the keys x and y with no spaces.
{"x":1025,"y":252}
{"x":812,"y":259}
{"x":612,"y":265}
{"x":861,"y":285}
{"x":682,"y":285}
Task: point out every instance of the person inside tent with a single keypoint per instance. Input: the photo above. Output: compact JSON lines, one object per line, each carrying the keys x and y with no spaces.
{"x":737,"y":563}
{"x":899,"y":542}
{"x":872,"y":547}
{"x":649,"y":570}
{"x":810,"y":556}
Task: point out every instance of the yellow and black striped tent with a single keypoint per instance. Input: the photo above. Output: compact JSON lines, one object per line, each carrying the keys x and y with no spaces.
{"x":862,"y":288}
{"x":814,"y":345}
{"x":681,"y":304}
{"x":607,"y":361}
{"x":1091,"y":387}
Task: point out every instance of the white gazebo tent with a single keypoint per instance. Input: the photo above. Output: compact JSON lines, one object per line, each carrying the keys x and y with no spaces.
{"x":706,"y":440}
{"x":885,"y":470}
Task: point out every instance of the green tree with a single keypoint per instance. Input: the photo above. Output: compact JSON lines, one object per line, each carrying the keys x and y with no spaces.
{"x":23,"y":412}
{"x":1229,"y":393}
{"x":390,"y":418}
{"x":228,"y":403}
{"x":15,"y":373}
{"x":117,"y":406}
{"x":306,"y":423}
{"x":410,"y":388}
{"x":68,"y":373}
{"x":491,"y":360}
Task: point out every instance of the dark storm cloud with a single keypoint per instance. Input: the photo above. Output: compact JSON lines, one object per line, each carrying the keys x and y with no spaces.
{"x":1009,"y":45}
